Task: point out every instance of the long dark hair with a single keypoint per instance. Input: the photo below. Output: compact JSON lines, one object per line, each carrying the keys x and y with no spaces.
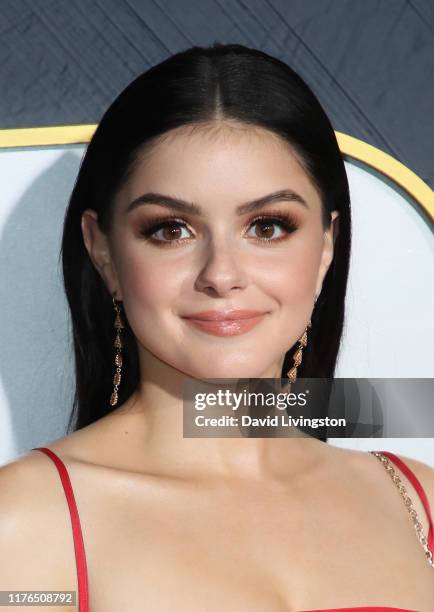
{"x":197,"y":85}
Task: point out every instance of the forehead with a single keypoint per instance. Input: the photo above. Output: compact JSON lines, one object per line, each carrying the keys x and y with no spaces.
{"x":220,"y":162}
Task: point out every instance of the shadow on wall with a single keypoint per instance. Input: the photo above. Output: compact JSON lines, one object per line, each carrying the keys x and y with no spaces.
{"x":36,"y":361}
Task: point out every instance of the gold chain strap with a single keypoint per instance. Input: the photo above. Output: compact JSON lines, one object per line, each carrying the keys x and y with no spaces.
{"x":408,"y":503}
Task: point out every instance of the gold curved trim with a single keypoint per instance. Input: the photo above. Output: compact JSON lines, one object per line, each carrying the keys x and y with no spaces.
{"x":349,"y":146}
{"x":43,"y":136}
{"x":390,"y":167}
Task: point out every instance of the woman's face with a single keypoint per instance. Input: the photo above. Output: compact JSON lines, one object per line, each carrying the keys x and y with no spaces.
{"x":215,"y":258}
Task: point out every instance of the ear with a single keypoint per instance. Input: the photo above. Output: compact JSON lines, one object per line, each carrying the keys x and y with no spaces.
{"x":328,"y":249}
{"x":97,"y":246}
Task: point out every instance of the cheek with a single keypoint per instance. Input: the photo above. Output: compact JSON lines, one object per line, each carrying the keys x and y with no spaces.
{"x":149,"y":285}
{"x":292,"y":277}
{"x":150,"y":291}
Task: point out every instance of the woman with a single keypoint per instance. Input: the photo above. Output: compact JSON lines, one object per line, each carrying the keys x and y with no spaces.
{"x":213,"y":183}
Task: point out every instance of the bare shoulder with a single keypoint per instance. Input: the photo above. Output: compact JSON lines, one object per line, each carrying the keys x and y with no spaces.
{"x":369,"y":470}
{"x":34,"y":530}
{"x":424,"y":473}
{"x":374,"y":481}
{"x":363,"y":460}
{"x":22,"y":488}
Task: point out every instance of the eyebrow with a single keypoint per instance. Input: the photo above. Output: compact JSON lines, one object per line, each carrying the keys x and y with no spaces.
{"x":287,"y":195}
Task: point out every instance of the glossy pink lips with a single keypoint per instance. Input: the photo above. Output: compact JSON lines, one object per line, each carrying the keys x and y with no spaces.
{"x":226,"y":323}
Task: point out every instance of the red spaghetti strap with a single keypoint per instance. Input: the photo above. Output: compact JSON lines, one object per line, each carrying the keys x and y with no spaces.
{"x":80,"y":556}
{"x":415,"y":482}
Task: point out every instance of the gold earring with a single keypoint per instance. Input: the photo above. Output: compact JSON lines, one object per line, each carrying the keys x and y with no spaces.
{"x":298,"y":355}
{"x":118,"y":356}
{"x":292,"y":373}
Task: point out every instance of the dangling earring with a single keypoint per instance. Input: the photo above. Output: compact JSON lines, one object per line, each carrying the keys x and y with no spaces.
{"x":118,"y":356}
{"x":298,"y":355}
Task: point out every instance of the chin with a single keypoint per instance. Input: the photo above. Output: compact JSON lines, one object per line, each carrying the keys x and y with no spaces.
{"x":228,"y":373}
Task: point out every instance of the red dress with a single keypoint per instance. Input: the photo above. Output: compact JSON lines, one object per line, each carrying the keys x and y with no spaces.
{"x":80,"y":556}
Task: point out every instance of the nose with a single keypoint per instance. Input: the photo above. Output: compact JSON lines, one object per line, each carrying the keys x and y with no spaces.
{"x":221,"y":272}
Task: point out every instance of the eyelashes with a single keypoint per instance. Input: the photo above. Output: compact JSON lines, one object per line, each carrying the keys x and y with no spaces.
{"x":173,"y":224}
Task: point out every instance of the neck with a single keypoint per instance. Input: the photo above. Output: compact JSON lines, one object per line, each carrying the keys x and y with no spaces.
{"x":155,"y":416}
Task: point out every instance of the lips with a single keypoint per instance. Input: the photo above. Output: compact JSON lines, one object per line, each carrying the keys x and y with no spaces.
{"x":225,"y":315}
{"x":226,"y":323}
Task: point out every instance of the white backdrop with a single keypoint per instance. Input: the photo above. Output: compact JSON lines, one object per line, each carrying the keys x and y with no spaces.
{"x":389,"y":331}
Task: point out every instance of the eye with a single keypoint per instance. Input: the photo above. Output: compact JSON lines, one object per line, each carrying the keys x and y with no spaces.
{"x":267,"y":224}
{"x":167,"y":231}
{"x":170,"y":231}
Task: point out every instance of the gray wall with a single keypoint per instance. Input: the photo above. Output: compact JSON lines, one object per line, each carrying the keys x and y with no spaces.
{"x":371,"y":62}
